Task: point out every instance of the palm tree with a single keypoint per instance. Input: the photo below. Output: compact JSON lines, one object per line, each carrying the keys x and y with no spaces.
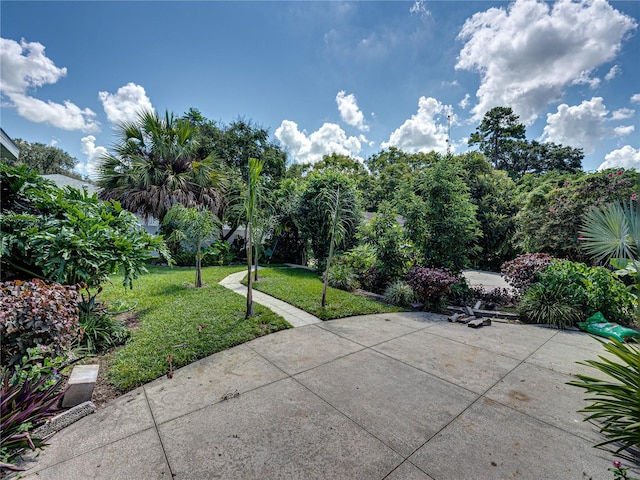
{"x":612,"y":233}
{"x":196,"y":225}
{"x":154,"y":166}
{"x":251,"y":209}
{"x":340,"y":218}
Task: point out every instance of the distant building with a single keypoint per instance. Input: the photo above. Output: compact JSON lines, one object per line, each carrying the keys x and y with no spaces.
{"x":151,"y":224}
{"x":9,"y":150}
{"x":64,"y":181}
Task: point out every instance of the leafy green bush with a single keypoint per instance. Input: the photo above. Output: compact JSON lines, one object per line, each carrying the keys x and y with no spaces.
{"x":67,"y":236}
{"x":374,"y":280}
{"x":590,"y":289}
{"x":342,"y":276}
{"x":35,"y":314}
{"x":522,"y":270}
{"x":399,"y":293}
{"x":548,"y":305}
{"x":432,"y":285}
{"x":440,"y":219}
{"x":360,"y":258}
{"x":615,"y":401}
{"x":24,"y":405}
{"x":393,"y":250}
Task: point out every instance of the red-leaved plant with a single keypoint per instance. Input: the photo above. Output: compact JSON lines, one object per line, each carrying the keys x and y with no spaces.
{"x":23,"y":407}
{"x":432,"y":285}
{"x":521,"y":272}
{"x":37,"y":313}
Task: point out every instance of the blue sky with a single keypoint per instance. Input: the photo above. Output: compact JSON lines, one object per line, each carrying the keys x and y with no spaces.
{"x":345,"y":77}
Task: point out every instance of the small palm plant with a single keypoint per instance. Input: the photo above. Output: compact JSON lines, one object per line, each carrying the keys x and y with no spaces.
{"x":340,"y":216}
{"x":612,"y":233}
{"x":615,"y":403}
{"x":251,"y":210}
{"x":196,"y":225}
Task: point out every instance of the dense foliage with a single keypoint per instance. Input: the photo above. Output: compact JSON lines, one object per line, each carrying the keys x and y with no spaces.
{"x":67,"y":236}
{"x":311,"y":214}
{"x":590,"y":289}
{"x":555,"y":206}
{"x":37,"y":314}
{"x":440,"y":218}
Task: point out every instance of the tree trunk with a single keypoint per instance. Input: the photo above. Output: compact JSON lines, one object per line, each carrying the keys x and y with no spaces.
{"x":326,"y":272}
{"x":249,"y":277}
{"x":255,"y":261}
{"x":198,"y":267}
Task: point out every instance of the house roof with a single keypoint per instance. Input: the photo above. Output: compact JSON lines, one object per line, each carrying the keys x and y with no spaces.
{"x":8,"y":149}
{"x":64,"y":181}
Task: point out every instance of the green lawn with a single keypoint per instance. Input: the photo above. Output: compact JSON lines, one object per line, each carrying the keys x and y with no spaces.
{"x":303,"y":289}
{"x":177,"y":319}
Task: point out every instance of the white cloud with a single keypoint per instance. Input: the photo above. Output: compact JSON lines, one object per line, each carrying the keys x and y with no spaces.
{"x":24,"y":66}
{"x":623,"y":114}
{"x":529,"y":53}
{"x":126,"y":103}
{"x":626,"y":157}
{"x":635,"y":98}
{"x":613,"y":73}
{"x":94,"y":153}
{"x":464,"y":103}
{"x":421,"y":133}
{"x":623,"y":130}
{"x":328,"y":139}
{"x":68,"y":116}
{"x":418,"y":8}
{"x":581,"y":125}
{"x":33,"y":69}
{"x":349,"y":111}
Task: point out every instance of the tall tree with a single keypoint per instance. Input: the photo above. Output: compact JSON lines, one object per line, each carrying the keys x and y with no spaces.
{"x":45,"y":159}
{"x":496,"y":135}
{"x":440,"y":217}
{"x":154,"y":165}
{"x":535,"y":157}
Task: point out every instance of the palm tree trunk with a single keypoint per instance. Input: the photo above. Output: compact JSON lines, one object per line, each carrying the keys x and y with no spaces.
{"x":198,"y":267}
{"x":249,"y":277}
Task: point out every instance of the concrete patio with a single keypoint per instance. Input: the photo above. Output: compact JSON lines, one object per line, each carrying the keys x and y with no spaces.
{"x":392,"y":396}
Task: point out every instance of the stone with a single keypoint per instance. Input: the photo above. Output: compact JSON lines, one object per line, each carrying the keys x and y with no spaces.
{"x":80,"y":385}
{"x":479,"y":322}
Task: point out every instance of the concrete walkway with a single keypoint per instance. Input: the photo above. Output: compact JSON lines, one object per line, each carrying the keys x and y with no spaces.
{"x":389,"y":396}
{"x":293,"y":315}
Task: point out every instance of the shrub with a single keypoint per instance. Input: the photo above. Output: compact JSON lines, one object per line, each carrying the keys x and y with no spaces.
{"x":399,"y":293}
{"x":374,"y":280}
{"x":341,"y":276}
{"x":521,"y":271}
{"x":440,"y":218}
{"x":541,"y":304}
{"x":23,"y":407}
{"x":37,"y":313}
{"x":360,"y":258}
{"x":590,"y":289}
{"x":393,"y":250}
{"x":615,"y":400}
{"x":432,"y":285}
